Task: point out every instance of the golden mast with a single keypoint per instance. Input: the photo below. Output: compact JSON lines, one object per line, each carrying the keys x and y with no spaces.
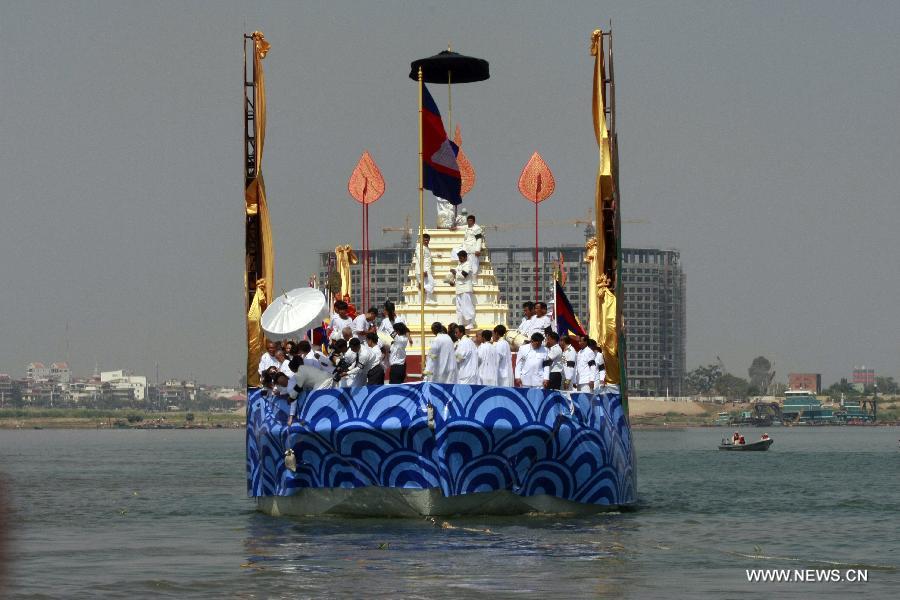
{"x":602,"y":252}
{"x":259,"y":255}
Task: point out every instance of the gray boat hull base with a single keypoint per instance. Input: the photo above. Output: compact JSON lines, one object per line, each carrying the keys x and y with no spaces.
{"x":396,"y":502}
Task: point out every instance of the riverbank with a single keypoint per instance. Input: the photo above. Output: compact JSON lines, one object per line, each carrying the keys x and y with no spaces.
{"x":117,"y":419}
{"x":645,"y":413}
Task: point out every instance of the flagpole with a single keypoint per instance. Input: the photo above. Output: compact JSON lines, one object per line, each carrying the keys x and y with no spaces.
{"x":421,"y":261}
{"x":537,"y":295}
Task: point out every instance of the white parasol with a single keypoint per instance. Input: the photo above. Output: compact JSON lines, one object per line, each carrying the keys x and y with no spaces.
{"x":292,"y":313}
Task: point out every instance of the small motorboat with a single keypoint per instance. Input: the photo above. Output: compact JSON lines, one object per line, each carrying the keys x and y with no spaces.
{"x":757,"y":446}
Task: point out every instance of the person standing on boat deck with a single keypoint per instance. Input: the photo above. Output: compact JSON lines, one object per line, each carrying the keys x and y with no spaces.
{"x":397,"y":353}
{"x":352,"y":357}
{"x":369,"y":368}
{"x":365,"y":323}
{"x":488,"y":359}
{"x":467,"y":357}
{"x":584,"y":368}
{"x":525,"y":325}
{"x":386,"y":327}
{"x":440,"y":364}
{"x":269,"y":359}
{"x":599,"y":366}
{"x":541,"y":323}
{"x":339,"y":321}
{"x":464,"y":282}
{"x":556,"y":360}
{"x":473,"y":243}
{"x":569,"y":358}
{"x":351,"y":308}
{"x":426,"y":270}
{"x":504,"y":357}
{"x":532,"y":365}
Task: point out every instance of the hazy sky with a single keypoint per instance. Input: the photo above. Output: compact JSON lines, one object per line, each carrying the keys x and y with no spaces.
{"x":761,"y":139}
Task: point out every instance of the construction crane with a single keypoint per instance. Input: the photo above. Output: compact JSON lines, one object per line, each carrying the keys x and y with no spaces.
{"x":587,"y":221}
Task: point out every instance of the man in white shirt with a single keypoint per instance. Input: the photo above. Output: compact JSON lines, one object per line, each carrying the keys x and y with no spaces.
{"x":339,"y":321}
{"x":584,"y":368}
{"x":365,"y":323}
{"x":599,"y":366}
{"x":466,"y":357}
{"x":557,"y":363}
{"x":312,"y":358}
{"x":525,"y":325}
{"x":488,"y":359}
{"x":306,"y":379}
{"x":569,"y":358}
{"x":352,"y":357}
{"x":369,"y":370}
{"x":504,"y":357}
{"x":464,"y":281}
{"x":532,"y":365}
{"x":426,"y":270}
{"x":440,"y":364}
{"x":270,"y":358}
{"x":540,"y":322}
{"x":473,"y":242}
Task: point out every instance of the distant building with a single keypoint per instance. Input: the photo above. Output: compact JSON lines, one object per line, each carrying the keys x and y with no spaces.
{"x":9,"y":391}
{"x":59,"y":371}
{"x":176,"y":394}
{"x":123,"y":386}
{"x":653,"y":303}
{"x":863,"y":376}
{"x":811,"y":382}
{"x":37,"y":371}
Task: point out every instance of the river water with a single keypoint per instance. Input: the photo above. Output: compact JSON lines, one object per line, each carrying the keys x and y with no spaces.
{"x":133,"y":514}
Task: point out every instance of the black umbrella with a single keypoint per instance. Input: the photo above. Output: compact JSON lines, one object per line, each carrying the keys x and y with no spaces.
{"x":450,"y":67}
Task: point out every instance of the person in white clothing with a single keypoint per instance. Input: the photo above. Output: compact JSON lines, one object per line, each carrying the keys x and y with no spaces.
{"x":371,"y":370}
{"x":311,"y":358}
{"x":504,"y":357}
{"x":339,"y":321}
{"x":584,"y":368}
{"x":426,"y":270}
{"x":525,"y":325}
{"x":599,"y":366}
{"x":569,"y":357}
{"x":467,"y":358}
{"x":557,"y":362}
{"x":540,"y":323}
{"x":473,"y":242}
{"x":365,"y":323}
{"x":464,"y":282}
{"x":440,"y":364}
{"x":351,"y":359}
{"x":269,"y":359}
{"x":488,"y":359}
{"x":397,"y":353}
{"x":532,"y":364}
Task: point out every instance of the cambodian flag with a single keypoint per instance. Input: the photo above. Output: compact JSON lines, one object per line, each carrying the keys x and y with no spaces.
{"x":440,"y":170}
{"x":566,"y":321}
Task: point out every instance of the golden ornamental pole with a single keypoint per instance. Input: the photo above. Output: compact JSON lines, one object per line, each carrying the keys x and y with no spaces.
{"x":421,"y":261}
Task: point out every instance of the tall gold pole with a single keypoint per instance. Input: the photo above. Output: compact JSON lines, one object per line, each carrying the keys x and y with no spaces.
{"x":421,"y":236}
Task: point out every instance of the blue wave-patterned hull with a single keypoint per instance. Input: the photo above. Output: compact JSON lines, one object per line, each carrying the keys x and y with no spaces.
{"x":370,"y":450}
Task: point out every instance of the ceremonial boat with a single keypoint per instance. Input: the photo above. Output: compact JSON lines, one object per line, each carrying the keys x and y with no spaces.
{"x":424,"y":448}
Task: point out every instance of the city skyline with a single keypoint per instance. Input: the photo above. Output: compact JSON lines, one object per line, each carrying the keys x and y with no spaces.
{"x":756,"y":141}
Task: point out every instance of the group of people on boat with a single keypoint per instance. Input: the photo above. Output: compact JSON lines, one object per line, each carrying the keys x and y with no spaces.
{"x":366,"y":350}
{"x":737,"y":439}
